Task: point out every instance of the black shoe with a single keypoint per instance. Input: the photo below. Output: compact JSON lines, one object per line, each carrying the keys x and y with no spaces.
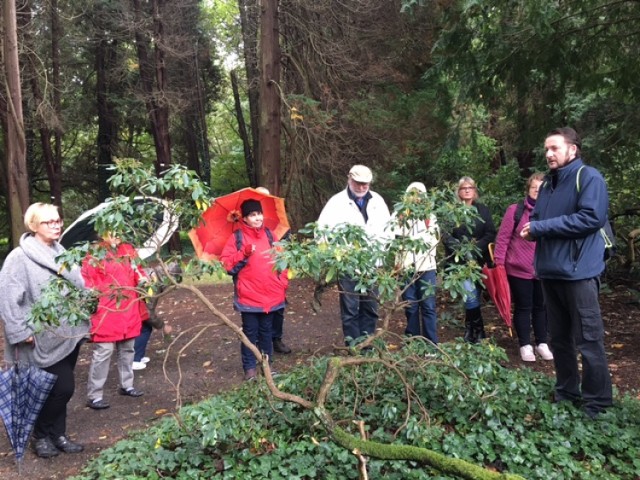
{"x":66,"y":445}
{"x":45,"y":448}
{"x":98,"y":404}
{"x":130,"y":392}
{"x":280,"y":347}
{"x":479,"y":333}
{"x":469,"y":334}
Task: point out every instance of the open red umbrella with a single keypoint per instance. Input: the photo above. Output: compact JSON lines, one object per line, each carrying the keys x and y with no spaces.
{"x":222,"y":218}
{"x":498,"y":287}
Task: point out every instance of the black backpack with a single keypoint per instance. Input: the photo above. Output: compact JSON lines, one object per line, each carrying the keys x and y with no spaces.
{"x":606,"y":231}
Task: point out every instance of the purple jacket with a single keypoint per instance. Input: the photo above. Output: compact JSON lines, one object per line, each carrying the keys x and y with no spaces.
{"x":512,"y":251}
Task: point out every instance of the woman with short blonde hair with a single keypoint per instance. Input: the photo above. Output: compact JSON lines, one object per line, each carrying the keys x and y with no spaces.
{"x":482,"y":233}
{"x":25,"y":272}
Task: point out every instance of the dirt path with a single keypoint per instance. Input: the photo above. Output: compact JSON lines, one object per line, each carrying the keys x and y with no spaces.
{"x":212,"y":364}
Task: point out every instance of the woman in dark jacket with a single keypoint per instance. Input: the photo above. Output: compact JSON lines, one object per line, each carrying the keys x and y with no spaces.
{"x":482,"y":233}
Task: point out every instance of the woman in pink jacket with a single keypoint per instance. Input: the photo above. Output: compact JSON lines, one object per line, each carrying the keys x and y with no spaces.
{"x":118,"y":319}
{"x":516,"y":254}
{"x":260,"y":289}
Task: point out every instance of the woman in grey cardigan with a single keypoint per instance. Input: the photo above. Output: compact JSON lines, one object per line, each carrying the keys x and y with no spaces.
{"x":27,"y":269}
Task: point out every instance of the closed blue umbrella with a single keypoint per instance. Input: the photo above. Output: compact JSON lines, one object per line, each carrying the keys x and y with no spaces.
{"x":23,"y":391}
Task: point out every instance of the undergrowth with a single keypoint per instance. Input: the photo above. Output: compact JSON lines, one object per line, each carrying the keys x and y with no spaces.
{"x":463,"y":403}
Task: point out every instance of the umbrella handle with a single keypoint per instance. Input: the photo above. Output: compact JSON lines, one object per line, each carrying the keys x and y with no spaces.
{"x":491,"y":247}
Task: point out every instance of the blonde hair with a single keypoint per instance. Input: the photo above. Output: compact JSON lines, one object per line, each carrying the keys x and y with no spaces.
{"x":470,"y":181}
{"x":35,"y":213}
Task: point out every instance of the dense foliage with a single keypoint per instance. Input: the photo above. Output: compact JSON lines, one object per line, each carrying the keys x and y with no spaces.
{"x":470,"y":406}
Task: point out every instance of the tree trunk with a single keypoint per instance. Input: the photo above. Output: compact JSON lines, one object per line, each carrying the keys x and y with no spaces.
{"x":54,"y":171}
{"x":269,"y":157}
{"x":153,"y":80}
{"x":31,"y":70}
{"x":242,"y":129}
{"x":15,"y":144}
{"x":107,"y":128}
{"x":203,"y":137}
{"x":249,"y":27}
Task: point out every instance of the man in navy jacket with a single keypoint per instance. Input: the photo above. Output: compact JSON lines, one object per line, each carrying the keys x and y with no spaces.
{"x":569,"y":213}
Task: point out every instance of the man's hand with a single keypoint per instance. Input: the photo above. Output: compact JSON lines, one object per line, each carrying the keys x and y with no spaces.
{"x":526,"y":232}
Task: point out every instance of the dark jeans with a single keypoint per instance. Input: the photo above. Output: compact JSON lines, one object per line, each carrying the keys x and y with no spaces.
{"x":528,"y":310}
{"x":278,"y":324}
{"x":52,"y":421}
{"x":421,"y":310}
{"x":359,"y":312}
{"x":257,"y":328}
{"x":140,"y":345}
{"x":575,"y":323}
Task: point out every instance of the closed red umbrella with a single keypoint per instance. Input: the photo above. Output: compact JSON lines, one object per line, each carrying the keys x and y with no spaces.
{"x":221,"y":219}
{"x":498,"y":287}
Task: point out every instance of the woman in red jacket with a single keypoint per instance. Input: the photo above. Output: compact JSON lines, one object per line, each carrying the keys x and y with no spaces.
{"x":259,"y":290}
{"x":118,"y":319}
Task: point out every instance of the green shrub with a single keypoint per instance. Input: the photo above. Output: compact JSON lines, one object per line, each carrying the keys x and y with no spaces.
{"x":472,"y":407}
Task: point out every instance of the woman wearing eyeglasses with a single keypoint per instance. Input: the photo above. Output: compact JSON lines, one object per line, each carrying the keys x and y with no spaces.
{"x":26,"y":270}
{"x":481,"y":233}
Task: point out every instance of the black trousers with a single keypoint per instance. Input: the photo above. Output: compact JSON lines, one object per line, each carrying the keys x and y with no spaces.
{"x":528,"y":310}
{"x":52,"y":421}
{"x":575,"y":325}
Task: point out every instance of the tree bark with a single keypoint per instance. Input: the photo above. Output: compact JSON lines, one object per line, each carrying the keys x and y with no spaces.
{"x":249,"y":27}
{"x":107,"y":128}
{"x":269,"y":157}
{"x":54,"y":170}
{"x":242,"y":129}
{"x":15,"y":143}
{"x":153,"y":80}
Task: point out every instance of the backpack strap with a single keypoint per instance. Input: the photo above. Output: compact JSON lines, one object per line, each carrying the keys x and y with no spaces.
{"x":269,"y":236}
{"x":517,"y":215}
{"x":238,"y":236}
{"x":578,"y":178}
{"x":240,"y":265}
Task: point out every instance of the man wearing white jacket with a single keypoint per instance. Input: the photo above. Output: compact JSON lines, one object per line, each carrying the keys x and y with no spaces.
{"x":357,"y":205}
{"x":419,"y":266}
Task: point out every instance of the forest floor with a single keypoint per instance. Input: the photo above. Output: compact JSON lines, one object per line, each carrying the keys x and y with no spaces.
{"x":211,"y":364}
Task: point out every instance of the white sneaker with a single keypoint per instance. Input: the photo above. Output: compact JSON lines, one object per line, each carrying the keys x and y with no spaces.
{"x":544,"y":352}
{"x":145,"y":360}
{"x":139,"y":366}
{"x":526,"y":353}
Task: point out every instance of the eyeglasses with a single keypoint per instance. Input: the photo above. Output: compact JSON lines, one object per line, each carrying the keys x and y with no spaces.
{"x":53,"y":223}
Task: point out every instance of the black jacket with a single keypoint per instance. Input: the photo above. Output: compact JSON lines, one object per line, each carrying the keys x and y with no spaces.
{"x":483,"y":233}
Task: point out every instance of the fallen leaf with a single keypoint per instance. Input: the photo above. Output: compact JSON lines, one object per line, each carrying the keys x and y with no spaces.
{"x":617,"y":345}
{"x":206,"y":364}
{"x":161,"y":411}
